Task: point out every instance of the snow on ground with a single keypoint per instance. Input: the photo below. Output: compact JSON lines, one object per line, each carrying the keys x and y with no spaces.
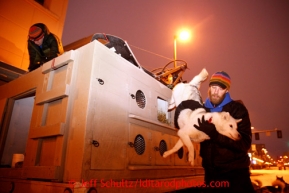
{"x":267,"y":176}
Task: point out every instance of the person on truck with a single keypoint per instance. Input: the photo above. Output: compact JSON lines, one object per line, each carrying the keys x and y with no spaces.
{"x":225,"y":161}
{"x":42,"y":46}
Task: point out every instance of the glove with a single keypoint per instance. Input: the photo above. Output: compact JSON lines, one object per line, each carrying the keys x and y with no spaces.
{"x":207,"y":127}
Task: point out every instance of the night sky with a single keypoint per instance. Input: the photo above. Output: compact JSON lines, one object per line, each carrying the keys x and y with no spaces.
{"x":247,"y":39}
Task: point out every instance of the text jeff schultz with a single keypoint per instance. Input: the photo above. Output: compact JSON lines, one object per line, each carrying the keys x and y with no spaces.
{"x":147,"y":183}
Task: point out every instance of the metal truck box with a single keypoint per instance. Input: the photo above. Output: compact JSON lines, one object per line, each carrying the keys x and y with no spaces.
{"x":88,"y":121}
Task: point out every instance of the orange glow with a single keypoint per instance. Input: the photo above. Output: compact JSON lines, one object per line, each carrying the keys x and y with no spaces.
{"x":183,"y":35}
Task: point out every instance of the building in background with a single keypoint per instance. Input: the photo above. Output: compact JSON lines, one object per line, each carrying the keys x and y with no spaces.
{"x":16,"y":16}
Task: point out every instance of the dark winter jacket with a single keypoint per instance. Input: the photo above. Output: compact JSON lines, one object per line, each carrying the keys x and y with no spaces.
{"x":222,"y":154}
{"x":50,"y":48}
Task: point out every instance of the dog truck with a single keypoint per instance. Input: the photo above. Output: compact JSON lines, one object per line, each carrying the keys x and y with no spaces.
{"x":93,"y":120}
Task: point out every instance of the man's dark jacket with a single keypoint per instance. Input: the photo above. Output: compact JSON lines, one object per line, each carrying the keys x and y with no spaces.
{"x":51,"y":48}
{"x":223,"y":154}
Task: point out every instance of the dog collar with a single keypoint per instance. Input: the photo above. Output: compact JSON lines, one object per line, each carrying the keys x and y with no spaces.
{"x":210,"y":120}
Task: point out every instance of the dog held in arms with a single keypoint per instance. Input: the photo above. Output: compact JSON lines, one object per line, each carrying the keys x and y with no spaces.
{"x":187,"y":98}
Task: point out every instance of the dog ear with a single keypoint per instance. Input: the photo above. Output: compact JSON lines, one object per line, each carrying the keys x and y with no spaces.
{"x":225,"y":115}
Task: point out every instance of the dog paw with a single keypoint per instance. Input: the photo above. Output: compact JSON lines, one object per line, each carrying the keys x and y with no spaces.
{"x":166,"y":154}
{"x":192,"y":163}
{"x":191,"y":159}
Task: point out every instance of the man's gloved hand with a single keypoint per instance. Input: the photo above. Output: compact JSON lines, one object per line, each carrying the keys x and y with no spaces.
{"x":206,"y":127}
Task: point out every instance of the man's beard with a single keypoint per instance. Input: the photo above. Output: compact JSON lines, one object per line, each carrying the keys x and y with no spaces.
{"x":215,"y":99}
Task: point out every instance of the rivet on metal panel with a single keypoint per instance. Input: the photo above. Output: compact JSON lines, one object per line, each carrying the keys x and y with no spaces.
{"x":95,"y":143}
{"x":132,"y":96}
{"x":131,"y":144}
{"x":101,"y":82}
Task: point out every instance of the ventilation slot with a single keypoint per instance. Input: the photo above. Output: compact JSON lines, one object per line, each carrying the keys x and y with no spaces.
{"x":163,"y":147}
{"x":139,"y":144}
{"x":181,"y":153}
{"x":140,"y":99}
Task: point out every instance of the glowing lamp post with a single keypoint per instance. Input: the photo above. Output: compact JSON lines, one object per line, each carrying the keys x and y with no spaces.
{"x":184,"y":35}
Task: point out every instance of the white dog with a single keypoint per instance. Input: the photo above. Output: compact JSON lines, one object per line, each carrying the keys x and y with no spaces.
{"x":224,"y":123}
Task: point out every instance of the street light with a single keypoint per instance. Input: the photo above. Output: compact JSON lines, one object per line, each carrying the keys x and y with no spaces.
{"x":183,"y":35}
